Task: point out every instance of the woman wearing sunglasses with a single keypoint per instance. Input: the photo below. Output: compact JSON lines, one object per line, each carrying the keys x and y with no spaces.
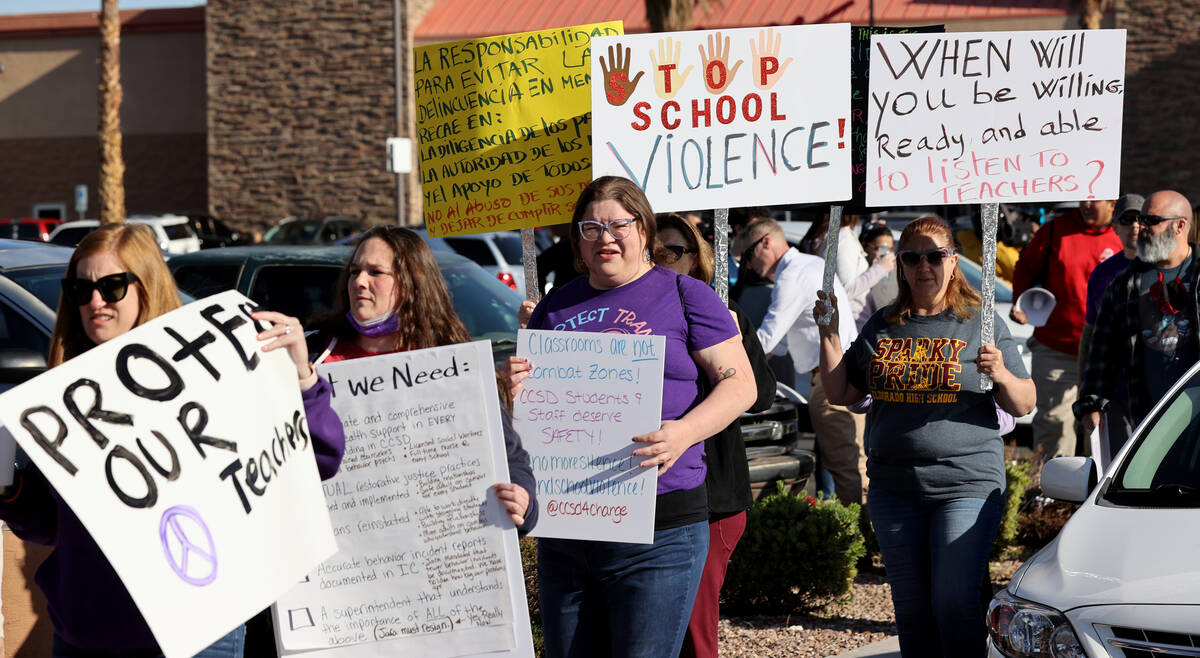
{"x":117,"y":280}
{"x":609,"y":598}
{"x":728,"y":478}
{"x":936,"y":460}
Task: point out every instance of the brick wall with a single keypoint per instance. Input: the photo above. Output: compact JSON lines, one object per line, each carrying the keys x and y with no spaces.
{"x":1161,"y":138}
{"x":301,"y":100}
{"x":163,"y":173}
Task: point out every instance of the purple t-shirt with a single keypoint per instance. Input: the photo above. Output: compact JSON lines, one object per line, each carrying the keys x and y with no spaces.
{"x":651,"y":305}
{"x":1102,"y":275}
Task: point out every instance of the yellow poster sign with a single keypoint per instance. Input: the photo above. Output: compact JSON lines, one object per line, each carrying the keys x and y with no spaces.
{"x":504,"y":127}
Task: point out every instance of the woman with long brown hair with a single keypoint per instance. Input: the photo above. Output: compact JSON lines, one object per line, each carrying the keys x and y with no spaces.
{"x":392,"y":298}
{"x":936,"y":457}
{"x":116,"y":280}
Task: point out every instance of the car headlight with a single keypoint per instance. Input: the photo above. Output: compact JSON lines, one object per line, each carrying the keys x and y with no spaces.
{"x":1023,"y":629}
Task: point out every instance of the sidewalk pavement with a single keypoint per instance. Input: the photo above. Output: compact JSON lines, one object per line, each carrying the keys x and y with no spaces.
{"x":889,"y":648}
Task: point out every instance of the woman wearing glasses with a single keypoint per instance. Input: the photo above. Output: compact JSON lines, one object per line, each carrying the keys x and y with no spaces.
{"x":117,"y":280}
{"x":610,"y":598}
{"x":936,"y":459}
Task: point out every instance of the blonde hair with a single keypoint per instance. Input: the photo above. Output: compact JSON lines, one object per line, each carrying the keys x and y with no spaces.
{"x":704,"y":263}
{"x":961,"y":298}
{"x":134,"y":247}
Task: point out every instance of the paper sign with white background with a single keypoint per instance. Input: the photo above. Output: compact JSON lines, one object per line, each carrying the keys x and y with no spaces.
{"x":186,"y":454}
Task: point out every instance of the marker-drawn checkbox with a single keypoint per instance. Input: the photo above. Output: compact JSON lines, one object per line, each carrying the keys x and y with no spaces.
{"x":300,"y":618}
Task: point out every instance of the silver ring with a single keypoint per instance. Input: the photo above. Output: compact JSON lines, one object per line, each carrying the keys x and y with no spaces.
{"x":288,"y":329}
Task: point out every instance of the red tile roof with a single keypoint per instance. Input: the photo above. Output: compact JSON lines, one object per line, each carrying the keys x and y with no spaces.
{"x":462,"y":19}
{"x":61,"y":24}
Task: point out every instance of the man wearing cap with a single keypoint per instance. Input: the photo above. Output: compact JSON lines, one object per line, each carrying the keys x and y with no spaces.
{"x":1126,"y":227}
{"x":1060,"y":258}
{"x":1145,"y":335}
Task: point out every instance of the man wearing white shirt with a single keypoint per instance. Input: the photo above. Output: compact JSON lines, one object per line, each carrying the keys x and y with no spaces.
{"x":789,"y":327}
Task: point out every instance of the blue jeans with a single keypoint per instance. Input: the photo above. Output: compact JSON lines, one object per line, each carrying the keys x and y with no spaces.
{"x":936,"y":555}
{"x":614,"y":599}
{"x":229,"y":646}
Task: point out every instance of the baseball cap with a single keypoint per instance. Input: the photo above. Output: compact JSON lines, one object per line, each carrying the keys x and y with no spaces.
{"x":1128,"y":202}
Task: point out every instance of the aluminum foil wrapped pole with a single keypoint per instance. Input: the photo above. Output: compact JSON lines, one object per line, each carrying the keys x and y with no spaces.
{"x":831,"y":250}
{"x":987,"y":328}
{"x":721,"y":252}
{"x":529,"y":258}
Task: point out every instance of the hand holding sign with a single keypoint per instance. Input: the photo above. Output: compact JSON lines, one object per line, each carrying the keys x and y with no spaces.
{"x":666,"y":82}
{"x":717,"y":74}
{"x":668,"y":444}
{"x":766,"y":59}
{"x":617,"y":85}
{"x":285,"y":332}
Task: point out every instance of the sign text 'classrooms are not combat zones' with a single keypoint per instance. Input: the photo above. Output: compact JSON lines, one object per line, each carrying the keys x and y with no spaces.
{"x":504,"y":128}
{"x":709,"y":119}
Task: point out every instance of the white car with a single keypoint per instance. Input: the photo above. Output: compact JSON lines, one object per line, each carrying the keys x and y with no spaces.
{"x":1122,"y":578}
{"x":173,"y":233}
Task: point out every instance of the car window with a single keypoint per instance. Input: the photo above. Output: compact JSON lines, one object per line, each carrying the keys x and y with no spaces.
{"x":71,"y":236}
{"x":28,"y":232}
{"x":487,"y":307}
{"x":473,"y":248}
{"x":45,"y":282}
{"x":200,"y":281}
{"x":17,"y":332}
{"x":1167,"y":454}
{"x":510,"y":247}
{"x":300,"y":291}
{"x":974,"y":276}
{"x":178,"y":231}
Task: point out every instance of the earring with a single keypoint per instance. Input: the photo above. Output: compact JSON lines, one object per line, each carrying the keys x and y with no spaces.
{"x":647,"y":254}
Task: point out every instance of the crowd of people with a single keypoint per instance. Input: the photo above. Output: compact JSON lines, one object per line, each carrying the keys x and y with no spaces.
{"x":891,"y":357}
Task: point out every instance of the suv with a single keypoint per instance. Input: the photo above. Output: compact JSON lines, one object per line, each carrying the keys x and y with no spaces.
{"x":172,"y":232}
{"x":293,"y":230}
{"x":1121,"y":578}
{"x":213,"y":232}
{"x":28,"y":228}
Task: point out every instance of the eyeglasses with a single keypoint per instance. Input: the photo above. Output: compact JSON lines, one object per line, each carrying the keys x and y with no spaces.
{"x":591,"y":230}
{"x":677,"y":251}
{"x":1168,"y":296}
{"x":113,"y":288}
{"x":934,"y":257}
{"x":1145,"y":220}
{"x":748,"y":252}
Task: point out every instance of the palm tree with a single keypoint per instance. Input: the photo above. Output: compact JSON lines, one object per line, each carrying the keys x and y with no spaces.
{"x":1090,"y":14}
{"x":112,"y":165}
{"x":672,"y":15}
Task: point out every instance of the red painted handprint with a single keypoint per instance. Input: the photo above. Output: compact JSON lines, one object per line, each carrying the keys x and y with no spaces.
{"x":618,"y":88}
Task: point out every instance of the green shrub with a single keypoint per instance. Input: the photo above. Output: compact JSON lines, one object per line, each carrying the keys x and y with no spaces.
{"x":1016,"y":476}
{"x":796,"y":553}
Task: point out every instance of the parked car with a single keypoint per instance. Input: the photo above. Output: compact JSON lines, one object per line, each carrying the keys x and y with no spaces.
{"x":173,"y":233}
{"x":28,"y":228}
{"x":499,"y":253}
{"x":213,"y":232}
{"x":301,"y":281}
{"x":1121,"y":578}
{"x":779,"y":444}
{"x":30,"y":273}
{"x":294,"y":230}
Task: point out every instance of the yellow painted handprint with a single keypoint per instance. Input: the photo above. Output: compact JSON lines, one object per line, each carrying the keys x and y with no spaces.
{"x":667,"y":79}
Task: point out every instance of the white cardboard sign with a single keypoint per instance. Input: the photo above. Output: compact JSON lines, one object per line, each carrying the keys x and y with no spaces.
{"x":589,"y":394}
{"x":428,"y":562}
{"x":995,"y":117}
{"x":709,"y":119}
{"x":185,"y":452}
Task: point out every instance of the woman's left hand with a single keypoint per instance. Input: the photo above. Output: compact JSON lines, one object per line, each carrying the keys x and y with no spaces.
{"x":990,"y":362}
{"x":514,"y":499}
{"x":286,"y":332}
{"x":667,"y":445}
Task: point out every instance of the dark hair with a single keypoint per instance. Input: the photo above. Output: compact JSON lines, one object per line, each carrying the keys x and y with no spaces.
{"x":961,"y":298}
{"x":873,"y":231}
{"x":624,"y":192}
{"x":703,"y":264}
{"x":747,"y":214}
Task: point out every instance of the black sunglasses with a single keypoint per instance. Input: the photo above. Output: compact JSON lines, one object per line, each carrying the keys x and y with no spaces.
{"x":1145,"y":220}
{"x":748,"y":252}
{"x":934,"y":257}
{"x":677,"y":251}
{"x":113,"y":288}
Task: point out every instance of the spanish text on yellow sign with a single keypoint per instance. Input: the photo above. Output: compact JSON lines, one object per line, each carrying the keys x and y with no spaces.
{"x":505,"y":128}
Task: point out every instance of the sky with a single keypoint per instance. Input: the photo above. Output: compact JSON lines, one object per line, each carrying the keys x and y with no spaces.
{"x":49,"y":6}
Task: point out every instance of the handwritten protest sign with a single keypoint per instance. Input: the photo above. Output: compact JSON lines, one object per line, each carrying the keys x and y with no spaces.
{"x":504,"y":127}
{"x":427,"y":562}
{"x":588,"y":395}
{"x":860,"y":68}
{"x":712,"y":119}
{"x":994,"y":117}
{"x":185,"y":452}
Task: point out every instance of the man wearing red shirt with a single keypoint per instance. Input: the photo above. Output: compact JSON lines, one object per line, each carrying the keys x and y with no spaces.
{"x":1060,"y":258}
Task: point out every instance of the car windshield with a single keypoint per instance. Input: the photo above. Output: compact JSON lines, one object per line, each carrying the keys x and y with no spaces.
{"x":179,"y":231}
{"x":974,"y":274}
{"x":44,"y":281}
{"x":510,"y":247}
{"x":292,"y":232}
{"x":1162,"y":468}
{"x":71,"y":236}
{"x":487,"y":307}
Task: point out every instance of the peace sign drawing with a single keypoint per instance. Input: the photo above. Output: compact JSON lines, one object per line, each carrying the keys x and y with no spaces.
{"x":181,"y":531}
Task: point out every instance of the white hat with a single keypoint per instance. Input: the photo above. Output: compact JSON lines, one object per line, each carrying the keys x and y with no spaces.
{"x":1037,"y":303}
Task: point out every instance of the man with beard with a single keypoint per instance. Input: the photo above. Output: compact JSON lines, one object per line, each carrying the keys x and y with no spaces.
{"x":1145,"y":336}
{"x":1060,"y":258}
